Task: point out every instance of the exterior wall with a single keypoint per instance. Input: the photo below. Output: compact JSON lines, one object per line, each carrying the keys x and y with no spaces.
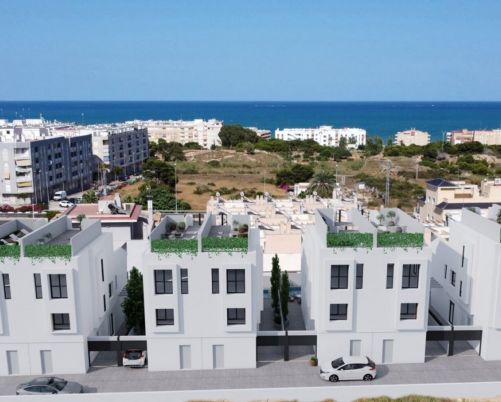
{"x":324,"y":135}
{"x":25,"y":321}
{"x":204,"y":133}
{"x":412,"y":137}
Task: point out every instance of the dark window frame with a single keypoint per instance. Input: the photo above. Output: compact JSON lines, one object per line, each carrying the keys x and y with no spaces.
{"x":338,"y":312}
{"x":215,"y":280}
{"x":390,"y":274}
{"x":60,"y":321}
{"x":460,"y":288}
{"x":359,"y":276}
{"x":235,"y":316}
{"x":453,"y":278}
{"x":235,"y":281}
{"x":184,"y":281}
{"x":408,"y":311}
{"x":410,"y":276}
{"x":37,"y":279}
{"x":338,"y":278}
{"x":58,"y":289}
{"x":104,"y":303}
{"x":7,"y":293}
{"x":102,"y":270}
{"x":163,"y":281}
{"x":164,"y":316}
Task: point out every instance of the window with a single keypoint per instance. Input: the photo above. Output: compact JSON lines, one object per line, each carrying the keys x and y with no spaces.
{"x":453,"y":278}
{"x":163,"y":281}
{"x":338,"y":312}
{"x":38,"y":285}
{"x":58,"y":289}
{"x":184,"y":281}
{"x":165,"y":316}
{"x":390,"y":268}
{"x":451,"y":312}
{"x":60,"y":322}
{"x":235,"y":316}
{"x":110,"y":289}
{"x":6,"y":286}
{"x":235,"y":281}
{"x":460,"y":288}
{"x":462,"y":258}
{"x":339,"y":276}
{"x":445,"y":271}
{"x":410,"y":276}
{"x":360,"y":276}
{"x":215,"y":280}
{"x":102,"y":270}
{"x":408,"y":311}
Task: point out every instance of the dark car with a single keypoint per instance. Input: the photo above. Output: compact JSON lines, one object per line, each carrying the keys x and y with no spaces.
{"x":49,"y":385}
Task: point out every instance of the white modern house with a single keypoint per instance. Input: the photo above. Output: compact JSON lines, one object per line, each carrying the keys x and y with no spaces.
{"x":324,"y":135}
{"x":466,"y":278}
{"x":365,"y":284}
{"x":202,"y":293}
{"x":59,"y":285}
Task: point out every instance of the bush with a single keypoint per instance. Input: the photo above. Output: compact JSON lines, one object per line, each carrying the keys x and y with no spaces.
{"x":225,"y":244}
{"x":400,"y":239}
{"x":214,"y":163}
{"x":348,"y":239}
{"x":175,"y":246}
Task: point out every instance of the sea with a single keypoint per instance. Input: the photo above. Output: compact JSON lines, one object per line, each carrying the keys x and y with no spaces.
{"x":378,"y":118}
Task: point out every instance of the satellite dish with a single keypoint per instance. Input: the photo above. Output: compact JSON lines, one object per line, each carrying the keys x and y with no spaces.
{"x":242,"y":194}
{"x":217,"y":194}
{"x":315,"y":193}
{"x":267,"y":194}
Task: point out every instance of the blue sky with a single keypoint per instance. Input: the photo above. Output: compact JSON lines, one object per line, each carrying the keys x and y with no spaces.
{"x":250,"y":50}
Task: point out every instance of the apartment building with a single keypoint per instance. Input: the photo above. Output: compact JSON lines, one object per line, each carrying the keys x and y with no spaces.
{"x":59,"y":285}
{"x":466,"y":278}
{"x":324,"y":135}
{"x":446,"y":199}
{"x":486,"y":137}
{"x":35,"y":163}
{"x":204,"y":132}
{"x":412,"y":137}
{"x":202,"y":293}
{"x":365,"y":284}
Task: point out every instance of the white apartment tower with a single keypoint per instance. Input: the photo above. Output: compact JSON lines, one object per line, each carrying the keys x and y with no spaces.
{"x":202,"y":293}
{"x":365,"y":285}
{"x":324,"y":135}
{"x":59,"y":285}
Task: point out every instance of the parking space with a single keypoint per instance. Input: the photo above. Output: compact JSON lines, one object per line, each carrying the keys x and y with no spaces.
{"x":275,"y":374}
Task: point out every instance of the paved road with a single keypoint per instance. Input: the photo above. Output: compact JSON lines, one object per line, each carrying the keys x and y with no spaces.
{"x":276,"y":374}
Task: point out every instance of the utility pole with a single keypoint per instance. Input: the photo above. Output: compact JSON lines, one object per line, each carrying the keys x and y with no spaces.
{"x":387,"y":189}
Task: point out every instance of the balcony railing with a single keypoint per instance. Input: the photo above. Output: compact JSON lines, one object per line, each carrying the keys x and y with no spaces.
{"x":349,"y":239}
{"x":51,"y":251}
{"x":10,"y":251}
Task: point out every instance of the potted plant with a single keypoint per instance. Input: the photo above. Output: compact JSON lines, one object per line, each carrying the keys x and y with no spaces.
{"x":243,"y":230}
{"x":390,"y":215}
{"x":172,"y":226}
{"x":80,"y":218}
{"x":181,"y":226}
{"x":380,"y":219}
{"x":314,"y":361}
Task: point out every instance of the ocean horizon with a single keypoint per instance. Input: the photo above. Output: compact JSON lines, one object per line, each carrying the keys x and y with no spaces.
{"x":383,"y":118}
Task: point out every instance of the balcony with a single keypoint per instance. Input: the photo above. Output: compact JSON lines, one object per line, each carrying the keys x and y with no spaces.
{"x":176,"y":237}
{"x":222,"y":239}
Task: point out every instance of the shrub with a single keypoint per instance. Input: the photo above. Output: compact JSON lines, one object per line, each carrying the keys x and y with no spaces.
{"x":175,"y":246}
{"x":348,"y":239}
{"x":400,"y":239}
{"x":225,"y":244}
{"x":214,"y":163}
{"x":48,"y":251}
{"x":181,"y":226}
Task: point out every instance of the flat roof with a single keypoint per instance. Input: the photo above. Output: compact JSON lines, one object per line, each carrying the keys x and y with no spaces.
{"x":440,"y":183}
{"x":91,"y":211}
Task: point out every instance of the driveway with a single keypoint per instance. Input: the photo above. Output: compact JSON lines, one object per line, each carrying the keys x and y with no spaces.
{"x":276,"y":374}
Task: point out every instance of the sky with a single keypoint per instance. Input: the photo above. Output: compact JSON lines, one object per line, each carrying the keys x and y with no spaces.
{"x":351,"y":50}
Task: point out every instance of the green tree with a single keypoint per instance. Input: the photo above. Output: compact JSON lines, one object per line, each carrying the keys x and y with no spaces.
{"x":284,"y":294}
{"x":323,"y":183}
{"x":116,"y":171}
{"x":160,"y":172}
{"x":231,"y":135}
{"x":89,"y":197}
{"x":296,"y":174}
{"x":373,"y":146}
{"x":133,"y":303}
{"x":343,"y":143}
{"x":275,"y":281}
{"x":163,"y":198}
{"x":80,"y":218}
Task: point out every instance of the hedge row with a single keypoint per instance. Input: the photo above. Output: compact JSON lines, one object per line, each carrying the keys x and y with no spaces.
{"x":174,"y":246}
{"x":349,"y":239}
{"x":48,"y":251}
{"x":225,"y":244}
{"x":400,"y":240}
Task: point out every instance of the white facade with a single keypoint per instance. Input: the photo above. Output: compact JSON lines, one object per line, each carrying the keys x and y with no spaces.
{"x":201,"y":331}
{"x":324,"y":135}
{"x":467,"y":269}
{"x":360,"y":314}
{"x":412,"y":137}
{"x":204,"y":132}
{"x":50,"y":305}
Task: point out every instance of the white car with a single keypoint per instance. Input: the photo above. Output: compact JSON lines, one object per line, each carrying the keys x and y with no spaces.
{"x":65,"y":204}
{"x":349,"y":368}
{"x":134,"y":358}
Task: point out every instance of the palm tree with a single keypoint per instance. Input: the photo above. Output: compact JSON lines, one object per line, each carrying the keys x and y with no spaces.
{"x":323,"y":183}
{"x":116,"y":171}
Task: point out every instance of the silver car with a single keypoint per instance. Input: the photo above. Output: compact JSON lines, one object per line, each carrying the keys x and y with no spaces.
{"x":49,"y":385}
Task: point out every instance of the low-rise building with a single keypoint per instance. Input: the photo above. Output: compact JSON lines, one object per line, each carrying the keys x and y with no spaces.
{"x":365,"y":284}
{"x":203,"y":132}
{"x":412,"y":137}
{"x":203,"y":293}
{"x":324,"y":135}
{"x":466,"y":278}
{"x":486,"y":137}
{"x":59,"y":285}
